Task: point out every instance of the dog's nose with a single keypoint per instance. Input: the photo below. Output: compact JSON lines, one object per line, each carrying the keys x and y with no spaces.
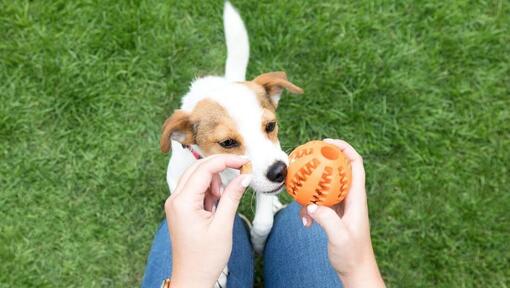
{"x":277,"y":172}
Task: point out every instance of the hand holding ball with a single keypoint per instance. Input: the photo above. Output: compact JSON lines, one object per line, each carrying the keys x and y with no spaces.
{"x":318,"y":173}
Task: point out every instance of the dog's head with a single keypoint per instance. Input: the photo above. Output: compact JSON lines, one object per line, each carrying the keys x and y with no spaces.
{"x":219,"y":116}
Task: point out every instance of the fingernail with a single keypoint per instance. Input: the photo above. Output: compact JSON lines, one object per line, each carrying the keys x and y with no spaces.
{"x":304,"y":221}
{"x":221,"y":190}
{"x":245,"y":157}
{"x":246,"y":180}
{"x":311,"y":208}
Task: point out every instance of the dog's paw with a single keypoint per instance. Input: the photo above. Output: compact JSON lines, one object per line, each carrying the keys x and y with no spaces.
{"x":222,"y":281}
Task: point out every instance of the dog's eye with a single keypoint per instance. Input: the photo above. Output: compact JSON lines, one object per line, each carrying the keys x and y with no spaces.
{"x":229,"y":143}
{"x":270,"y":127}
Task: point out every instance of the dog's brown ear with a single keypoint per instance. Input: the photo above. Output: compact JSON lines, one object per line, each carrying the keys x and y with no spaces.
{"x":274,"y":83}
{"x":177,"y":127}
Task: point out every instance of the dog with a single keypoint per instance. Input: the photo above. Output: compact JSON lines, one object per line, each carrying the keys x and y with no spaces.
{"x":232,"y":115}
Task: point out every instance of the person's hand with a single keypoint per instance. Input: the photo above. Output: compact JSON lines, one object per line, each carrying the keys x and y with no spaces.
{"x":346,"y":225}
{"x":201,"y":232}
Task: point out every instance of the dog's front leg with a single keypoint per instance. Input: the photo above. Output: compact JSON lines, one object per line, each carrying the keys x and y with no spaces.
{"x":267,"y":206}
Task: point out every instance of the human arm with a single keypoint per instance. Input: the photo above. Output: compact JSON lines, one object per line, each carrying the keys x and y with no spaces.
{"x":347,"y":227}
{"x":201,"y":231}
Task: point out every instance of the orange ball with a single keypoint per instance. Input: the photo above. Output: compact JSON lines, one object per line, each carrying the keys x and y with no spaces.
{"x":318,"y":173}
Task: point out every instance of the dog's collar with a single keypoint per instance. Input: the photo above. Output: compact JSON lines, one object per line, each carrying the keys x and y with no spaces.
{"x":193,"y":151}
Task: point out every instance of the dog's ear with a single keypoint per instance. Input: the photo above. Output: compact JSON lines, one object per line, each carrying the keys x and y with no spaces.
{"x":274,"y":83}
{"x":177,"y":127}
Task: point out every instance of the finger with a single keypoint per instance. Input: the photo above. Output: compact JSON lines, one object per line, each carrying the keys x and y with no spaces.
{"x":210,"y":202}
{"x":213,"y":194}
{"x":305,"y":218}
{"x":353,"y":155}
{"x":229,"y":201}
{"x":207,"y":203}
{"x":188,"y":172}
{"x":358,"y":171}
{"x":348,"y":150}
{"x":185,"y":176}
{"x":219,"y":162}
{"x":201,"y":178}
{"x":215,"y":185}
{"x":355,"y":202}
{"x":329,"y":221}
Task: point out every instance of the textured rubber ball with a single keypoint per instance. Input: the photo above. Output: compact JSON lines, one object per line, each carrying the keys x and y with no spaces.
{"x":318,"y":173}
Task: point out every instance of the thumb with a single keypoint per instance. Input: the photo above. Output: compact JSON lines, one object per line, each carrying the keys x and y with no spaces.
{"x":229,"y":200}
{"x":328,"y":219}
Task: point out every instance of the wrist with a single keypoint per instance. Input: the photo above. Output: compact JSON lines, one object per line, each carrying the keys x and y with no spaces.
{"x":188,"y":283}
{"x":364,"y":275}
{"x":187,"y":279}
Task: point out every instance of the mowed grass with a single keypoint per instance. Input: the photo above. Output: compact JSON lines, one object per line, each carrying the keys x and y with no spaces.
{"x":421,"y":90}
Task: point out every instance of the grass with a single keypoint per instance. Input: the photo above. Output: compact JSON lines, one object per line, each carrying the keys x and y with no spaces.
{"x":422,"y":90}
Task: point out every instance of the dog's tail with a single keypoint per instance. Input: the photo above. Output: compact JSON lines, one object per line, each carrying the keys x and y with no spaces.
{"x":238,"y":47}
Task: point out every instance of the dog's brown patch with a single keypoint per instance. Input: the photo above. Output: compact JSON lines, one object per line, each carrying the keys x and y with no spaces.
{"x":273,"y":84}
{"x":262,"y":96}
{"x":212,"y":124}
{"x":269,"y":116}
{"x":267,"y":86}
{"x":177,"y":126}
{"x":246,"y":168}
{"x":206,"y":126}
{"x":209,"y":123}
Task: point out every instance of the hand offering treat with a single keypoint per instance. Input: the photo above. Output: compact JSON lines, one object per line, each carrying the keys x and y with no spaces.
{"x":318,"y":173}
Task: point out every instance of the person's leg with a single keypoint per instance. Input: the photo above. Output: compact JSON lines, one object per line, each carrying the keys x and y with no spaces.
{"x":159,"y":263}
{"x":296,"y":256}
{"x":240,"y":264}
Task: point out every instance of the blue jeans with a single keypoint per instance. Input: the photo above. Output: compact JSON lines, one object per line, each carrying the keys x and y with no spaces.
{"x":294,"y":256}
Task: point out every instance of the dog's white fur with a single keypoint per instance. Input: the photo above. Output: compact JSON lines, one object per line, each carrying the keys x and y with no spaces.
{"x":245,"y":110}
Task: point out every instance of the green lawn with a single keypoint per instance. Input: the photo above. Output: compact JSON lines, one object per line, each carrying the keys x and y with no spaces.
{"x":421,"y":90}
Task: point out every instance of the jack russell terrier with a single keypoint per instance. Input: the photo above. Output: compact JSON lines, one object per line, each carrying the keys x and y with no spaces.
{"x":231,"y":115}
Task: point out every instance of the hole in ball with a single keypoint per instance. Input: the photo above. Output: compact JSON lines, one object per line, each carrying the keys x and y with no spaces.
{"x":330,"y":152}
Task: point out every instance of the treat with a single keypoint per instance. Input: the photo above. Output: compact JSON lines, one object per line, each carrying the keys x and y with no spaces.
{"x":246,"y":168}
